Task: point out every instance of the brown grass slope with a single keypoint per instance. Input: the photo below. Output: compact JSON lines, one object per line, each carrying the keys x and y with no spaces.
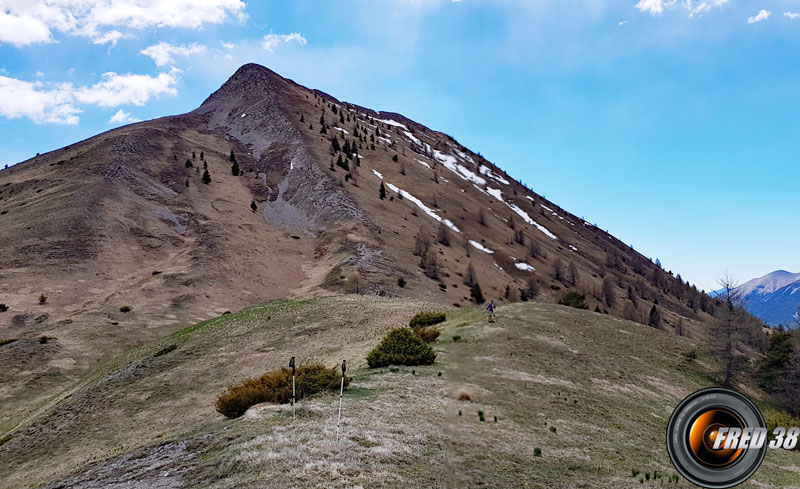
{"x":592,"y":392}
{"x":119,"y":220}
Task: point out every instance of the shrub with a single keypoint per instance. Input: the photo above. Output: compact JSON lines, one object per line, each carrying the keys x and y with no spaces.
{"x":428,"y":335}
{"x":422,"y":319}
{"x":573,"y":299}
{"x":401,"y":282}
{"x":537,"y":452}
{"x":125,"y":309}
{"x":480,"y":416}
{"x":3,"y":308}
{"x":42,"y":299}
{"x":165,"y":350}
{"x":402,"y":346}
{"x":276,"y":387}
{"x":456,"y":338}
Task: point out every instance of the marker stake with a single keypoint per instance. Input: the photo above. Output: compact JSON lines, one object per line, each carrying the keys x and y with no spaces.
{"x":341,"y":392}
{"x":291,"y":365}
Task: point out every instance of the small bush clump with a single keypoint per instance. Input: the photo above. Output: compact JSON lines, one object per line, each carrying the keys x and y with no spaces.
{"x":165,"y":350}
{"x":428,"y":335}
{"x":3,"y":308}
{"x":573,"y":299}
{"x":125,"y":309}
{"x":422,"y":319}
{"x":42,"y":299}
{"x":402,"y":346}
{"x":276,"y":387}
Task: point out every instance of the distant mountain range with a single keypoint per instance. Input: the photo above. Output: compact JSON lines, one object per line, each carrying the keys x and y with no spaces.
{"x":773,"y":298}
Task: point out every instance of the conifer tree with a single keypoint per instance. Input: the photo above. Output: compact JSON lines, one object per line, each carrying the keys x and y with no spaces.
{"x":655,"y":317}
{"x":194,"y":157}
{"x":202,"y":155}
{"x":394,"y":158}
{"x":189,"y":163}
{"x":253,"y":205}
{"x":382,"y":192}
{"x":302,"y":118}
{"x":476,"y":294}
{"x":206,"y":177}
{"x":232,"y":157}
{"x":235,"y":168}
{"x":346,"y":148}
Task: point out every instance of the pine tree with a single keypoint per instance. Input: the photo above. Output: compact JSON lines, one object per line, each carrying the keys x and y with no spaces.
{"x":335,"y":144}
{"x":394,"y":158}
{"x":253,"y":205}
{"x":322,"y":120}
{"x":193,"y":156}
{"x":573,"y":273}
{"x":655,"y":317}
{"x":189,"y":163}
{"x":382,"y":192}
{"x":206,"y":177}
{"x":302,"y":118}
{"x":235,"y":168}
{"x":202,"y":155}
{"x":476,"y":294}
{"x":443,"y":235}
{"x":232,"y":157}
{"x":346,"y":148}
{"x":469,"y":277}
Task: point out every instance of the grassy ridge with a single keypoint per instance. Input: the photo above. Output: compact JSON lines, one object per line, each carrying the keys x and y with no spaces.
{"x":547,"y":396}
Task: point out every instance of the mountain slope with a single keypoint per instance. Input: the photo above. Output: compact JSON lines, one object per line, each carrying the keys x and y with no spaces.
{"x":773,"y":298}
{"x":584,"y":388}
{"x":124,"y":222}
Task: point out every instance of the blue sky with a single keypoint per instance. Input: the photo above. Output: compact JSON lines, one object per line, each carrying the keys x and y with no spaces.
{"x":671,"y":123}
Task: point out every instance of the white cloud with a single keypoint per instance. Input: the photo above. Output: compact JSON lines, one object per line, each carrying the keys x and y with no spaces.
{"x":121,"y":117}
{"x":164,"y":53}
{"x":118,"y":89}
{"x":271,"y":41}
{"x":55,"y":105}
{"x":622,"y":23}
{"x":59,"y":103}
{"x":227,"y":45}
{"x":110,"y":36}
{"x":657,"y":7}
{"x":791,"y":15}
{"x":25,"y":22}
{"x":654,"y":7}
{"x":761,"y":15}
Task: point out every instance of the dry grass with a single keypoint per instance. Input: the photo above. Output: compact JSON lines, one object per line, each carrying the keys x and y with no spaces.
{"x":559,"y":380}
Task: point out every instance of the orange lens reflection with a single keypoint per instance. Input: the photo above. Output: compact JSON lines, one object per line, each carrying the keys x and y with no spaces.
{"x":703,"y":433}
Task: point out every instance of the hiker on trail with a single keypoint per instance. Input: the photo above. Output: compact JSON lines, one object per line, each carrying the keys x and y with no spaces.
{"x":490,"y":309}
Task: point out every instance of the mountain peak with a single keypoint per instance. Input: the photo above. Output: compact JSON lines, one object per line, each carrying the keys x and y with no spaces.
{"x":250,"y":79}
{"x":769,"y":283}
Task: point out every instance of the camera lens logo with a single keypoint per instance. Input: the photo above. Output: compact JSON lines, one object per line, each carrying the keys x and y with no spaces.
{"x":716,"y":438}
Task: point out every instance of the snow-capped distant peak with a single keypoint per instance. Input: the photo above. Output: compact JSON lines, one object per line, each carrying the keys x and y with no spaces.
{"x":769,"y":283}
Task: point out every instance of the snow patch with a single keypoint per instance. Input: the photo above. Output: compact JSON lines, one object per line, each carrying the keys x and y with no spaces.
{"x":495,"y":192}
{"x":424,"y":208}
{"x":424,"y":164}
{"x":525,"y":267}
{"x":340,"y":129}
{"x":244,"y":115}
{"x":480,"y":247}
{"x":451,"y":163}
{"x":524,"y":215}
{"x":378,"y":174}
{"x":392,"y":123}
{"x":573,"y":248}
{"x":412,"y":138}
